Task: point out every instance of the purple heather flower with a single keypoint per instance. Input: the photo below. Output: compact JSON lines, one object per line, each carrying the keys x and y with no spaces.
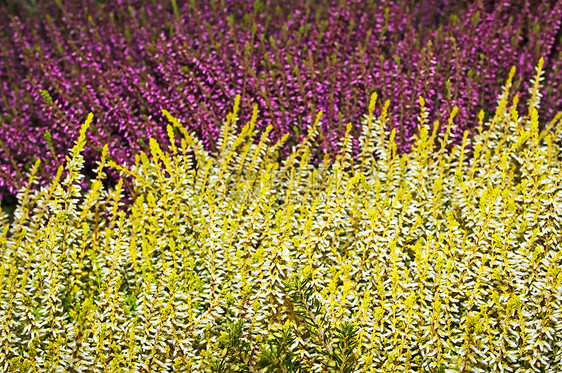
{"x":125,"y":64}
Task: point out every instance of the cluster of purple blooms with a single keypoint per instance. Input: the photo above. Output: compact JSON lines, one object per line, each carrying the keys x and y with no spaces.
{"x":125,"y":60}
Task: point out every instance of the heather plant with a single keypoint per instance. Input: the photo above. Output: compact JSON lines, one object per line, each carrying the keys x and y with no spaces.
{"x":125,"y":61}
{"x":235,"y":261}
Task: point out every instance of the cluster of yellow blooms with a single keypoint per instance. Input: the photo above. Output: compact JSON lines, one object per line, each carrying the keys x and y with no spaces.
{"x":433,"y":261}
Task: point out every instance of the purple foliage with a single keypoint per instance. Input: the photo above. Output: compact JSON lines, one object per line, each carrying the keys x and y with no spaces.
{"x":127,"y":60}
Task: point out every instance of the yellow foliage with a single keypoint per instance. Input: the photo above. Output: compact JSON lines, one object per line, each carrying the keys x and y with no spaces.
{"x":427,"y":260}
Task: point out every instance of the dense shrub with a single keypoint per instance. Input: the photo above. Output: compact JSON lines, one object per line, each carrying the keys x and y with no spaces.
{"x":238,"y":263}
{"x":127,"y":60}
